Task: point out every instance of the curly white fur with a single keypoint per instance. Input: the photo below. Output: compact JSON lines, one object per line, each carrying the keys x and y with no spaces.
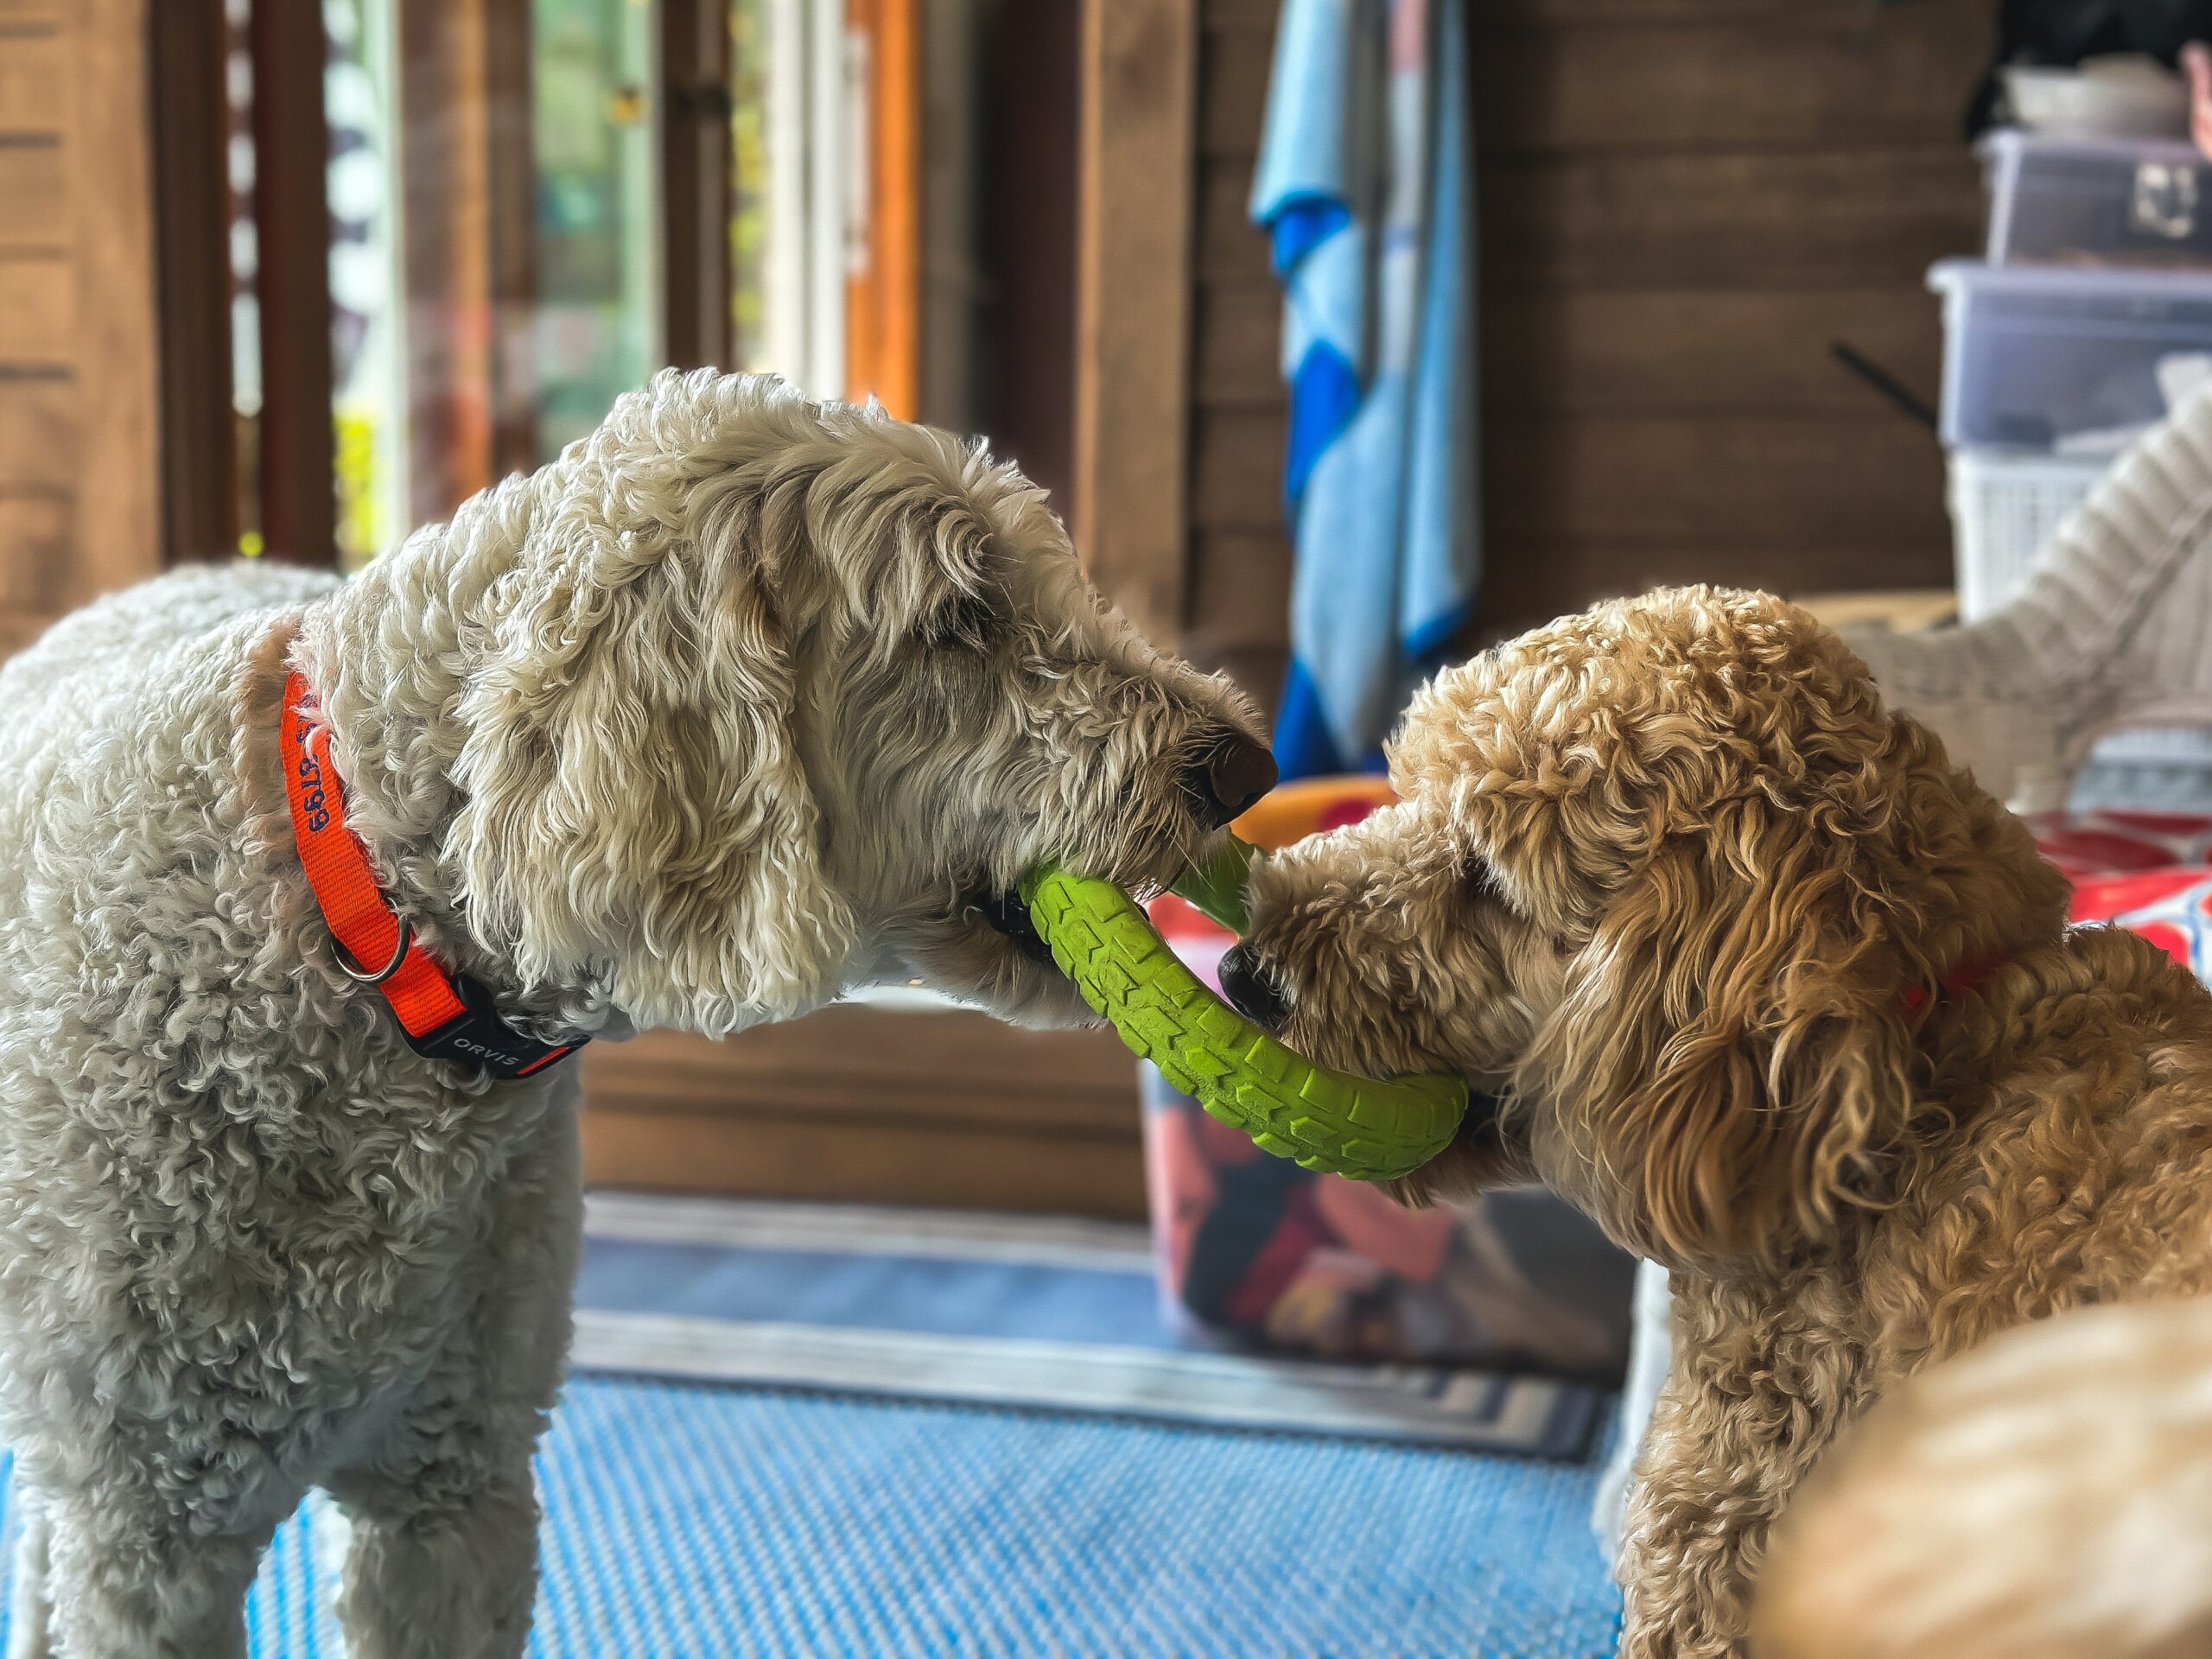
{"x":741,"y":702}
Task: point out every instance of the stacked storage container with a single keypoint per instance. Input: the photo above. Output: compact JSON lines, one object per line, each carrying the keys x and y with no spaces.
{"x":2089,"y":318}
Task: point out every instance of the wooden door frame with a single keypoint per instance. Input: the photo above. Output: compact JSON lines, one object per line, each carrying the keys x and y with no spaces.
{"x":692,"y":114}
{"x":1134,"y":240}
{"x":188,"y":46}
{"x":883,"y":297}
{"x":291,"y":213}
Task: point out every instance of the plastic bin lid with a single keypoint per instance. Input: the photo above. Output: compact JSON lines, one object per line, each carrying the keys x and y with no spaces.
{"x":2017,"y":140}
{"x":1949,"y":276}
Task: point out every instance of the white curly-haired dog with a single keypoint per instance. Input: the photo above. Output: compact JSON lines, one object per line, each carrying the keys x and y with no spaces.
{"x":742,"y":702}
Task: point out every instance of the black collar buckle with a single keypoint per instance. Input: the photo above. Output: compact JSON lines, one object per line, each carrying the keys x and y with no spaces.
{"x":478,"y":1037}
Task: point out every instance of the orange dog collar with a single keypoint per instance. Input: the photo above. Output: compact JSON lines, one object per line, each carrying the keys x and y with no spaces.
{"x":444,"y":1017}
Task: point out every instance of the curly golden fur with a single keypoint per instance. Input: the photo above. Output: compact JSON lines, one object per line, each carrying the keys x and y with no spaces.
{"x":1669,"y":882}
{"x":2048,"y":1494}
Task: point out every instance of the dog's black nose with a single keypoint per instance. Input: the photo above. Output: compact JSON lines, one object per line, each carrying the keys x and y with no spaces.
{"x":1252,"y":988}
{"x":1229,"y":779}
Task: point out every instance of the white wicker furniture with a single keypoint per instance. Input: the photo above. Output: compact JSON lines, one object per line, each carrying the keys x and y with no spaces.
{"x":2112,"y":629}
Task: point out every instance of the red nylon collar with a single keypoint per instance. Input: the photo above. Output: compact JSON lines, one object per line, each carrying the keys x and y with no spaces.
{"x":441,"y":1017}
{"x":1962,"y":981}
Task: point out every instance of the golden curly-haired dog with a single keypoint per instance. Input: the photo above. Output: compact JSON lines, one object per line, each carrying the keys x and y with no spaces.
{"x":1781,"y":998}
{"x":2048,"y":1494}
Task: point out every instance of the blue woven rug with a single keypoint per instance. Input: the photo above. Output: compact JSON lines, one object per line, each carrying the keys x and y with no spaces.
{"x":699,"y":1522}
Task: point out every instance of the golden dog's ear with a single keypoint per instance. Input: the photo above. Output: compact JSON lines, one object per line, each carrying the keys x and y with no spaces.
{"x":635,"y":805}
{"x":1734,"y":1048}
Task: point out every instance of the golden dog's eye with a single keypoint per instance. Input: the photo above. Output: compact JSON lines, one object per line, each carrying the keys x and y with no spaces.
{"x":963,"y":622}
{"x":1479,"y":880}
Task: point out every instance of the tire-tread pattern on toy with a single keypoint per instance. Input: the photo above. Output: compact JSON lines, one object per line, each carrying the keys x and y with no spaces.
{"x":1325,"y":1120}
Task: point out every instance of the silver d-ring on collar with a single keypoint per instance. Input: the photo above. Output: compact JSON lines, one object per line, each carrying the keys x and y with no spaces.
{"x":398,"y":955}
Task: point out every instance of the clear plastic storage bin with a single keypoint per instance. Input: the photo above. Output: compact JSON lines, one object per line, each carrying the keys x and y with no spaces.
{"x":2065,"y":362}
{"x":2097,"y":202}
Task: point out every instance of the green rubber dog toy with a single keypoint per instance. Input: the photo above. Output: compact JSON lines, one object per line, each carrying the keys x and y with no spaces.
{"x":1328,"y":1121}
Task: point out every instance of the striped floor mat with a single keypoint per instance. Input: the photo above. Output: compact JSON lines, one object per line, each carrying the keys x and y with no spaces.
{"x":689,"y":1522}
{"x":871,"y":1493}
{"x":1063,"y":1315}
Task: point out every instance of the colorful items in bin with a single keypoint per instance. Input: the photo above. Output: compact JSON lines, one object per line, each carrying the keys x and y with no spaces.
{"x":2089,"y":846}
{"x":1256,"y":1250}
{"x":2150,"y":873}
{"x":2172,"y":907}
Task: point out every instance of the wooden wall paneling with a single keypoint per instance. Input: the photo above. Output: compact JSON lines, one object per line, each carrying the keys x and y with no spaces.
{"x":1239,"y":579}
{"x":1238,"y":330}
{"x":192,"y":195}
{"x":1822,"y":76}
{"x":1240,"y":589}
{"x":79,"y":457}
{"x":1529,"y":585}
{"x":291,"y":146}
{"x":1651,"y":13}
{"x":1134,"y":303}
{"x":693,"y":114}
{"x":1683,"y":204}
{"x":1874,"y":218}
{"x":1719,"y":480}
{"x":870,"y":1105}
{"x":1229,"y":251}
{"x":47,"y":443}
{"x":1868,"y":219}
{"x":1827,"y":77}
{"x":1706,"y":352}
{"x":941,"y":1166}
{"x":1748,"y":482}
{"x":1026,"y":286}
{"x":1615,"y":351}
{"x":36,"y":537}
{"x":39,"y":292}
{"x":34,"y":75}
{"x":501,"y":48}
{"x":1237,"y":466}
{"x":35,"y":185}
{"x":110,"y":410}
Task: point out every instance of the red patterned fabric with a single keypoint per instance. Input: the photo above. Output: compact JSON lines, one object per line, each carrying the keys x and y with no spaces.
{"x":2148,"y":872}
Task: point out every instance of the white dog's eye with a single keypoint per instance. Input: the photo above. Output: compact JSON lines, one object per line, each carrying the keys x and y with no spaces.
{"x":963,"y":622}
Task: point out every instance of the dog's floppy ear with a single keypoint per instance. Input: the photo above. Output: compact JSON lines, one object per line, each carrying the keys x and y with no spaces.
{"x":1734,"y":1045}
{"x":635,"y":805}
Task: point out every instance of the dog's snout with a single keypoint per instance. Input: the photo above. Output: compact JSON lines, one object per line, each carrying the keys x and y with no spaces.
{"x":1253,"y":989}
{"x":1228,"y":779}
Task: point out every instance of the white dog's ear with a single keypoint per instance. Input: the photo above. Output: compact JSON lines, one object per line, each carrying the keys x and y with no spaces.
{"x":635,"y":805}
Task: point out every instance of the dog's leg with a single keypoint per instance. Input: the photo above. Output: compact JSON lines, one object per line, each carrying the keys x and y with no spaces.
{"x":31,"y":1606}
{"x":444,"y":1557}
{"x":1732,"y":1437}
{"x":124,"y":1581}
{"x":443,"y":1565}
